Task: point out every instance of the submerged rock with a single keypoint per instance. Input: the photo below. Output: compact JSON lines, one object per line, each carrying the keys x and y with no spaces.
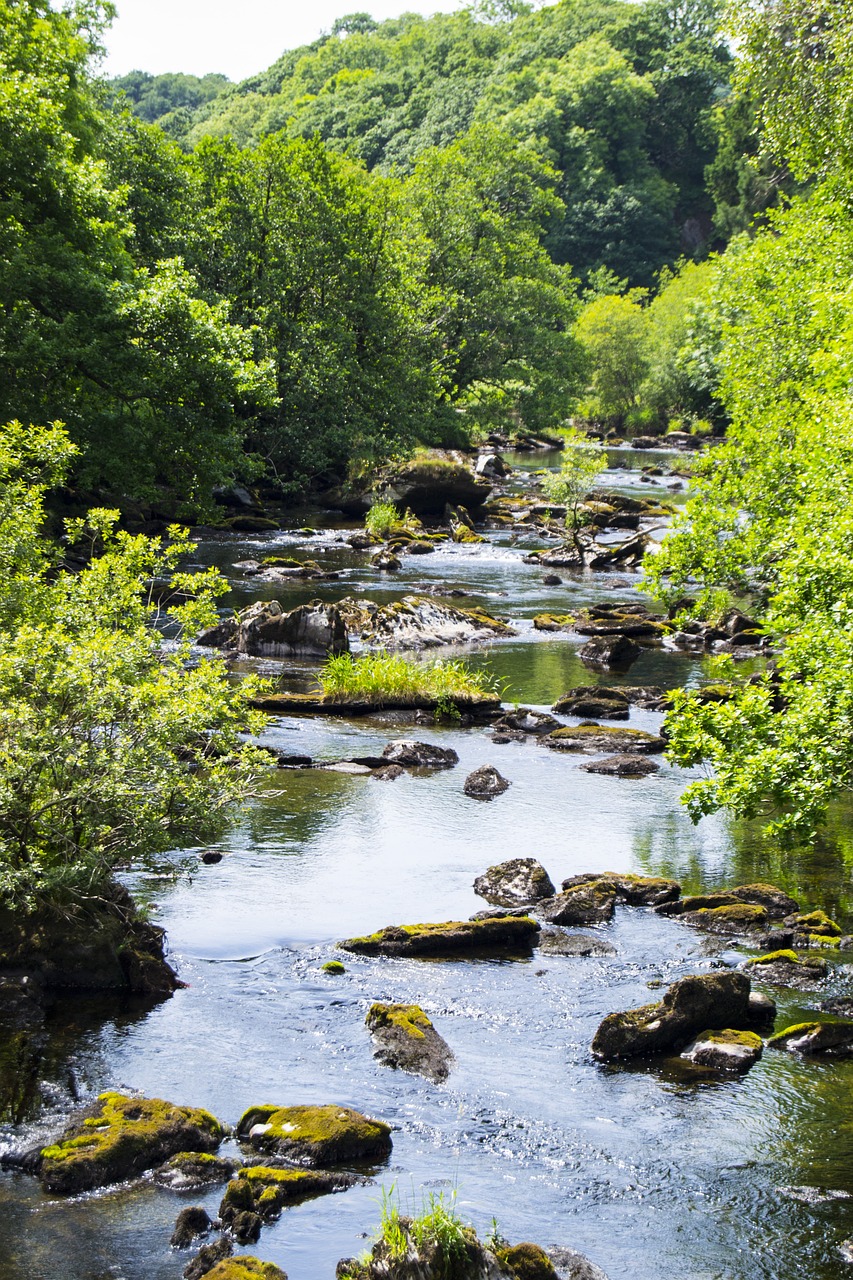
{"x":420,"y":755}
{"x":829,"y":1039}
{"x":263,"y":1191}
{"x":590,"y":902}
{"x":419,"y":622}
{"x":725,"y":1050}
{"x":596,"y":737}
{"x":193,"y":1170}
{"x":492,"y":936}
{"x":485,"y":783}
{"x":389,"y":773}
{"x":120,"y":1137}
{"x":787,"y":969}
{"x":622,"y":766}
{"x":264,"y":630}
{"x":520,"y":882}
{"x":404,"y":1037}
{"x":315,"y":1136}
{"x":715,"y":1001}
{"x":553,"y":942}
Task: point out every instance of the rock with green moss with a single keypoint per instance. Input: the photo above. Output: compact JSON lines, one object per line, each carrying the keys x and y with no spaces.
{"x":404,"y":1037}
{"x":315,"y":1136}
{"x":554,"y":622}
{"x":813,"y":922}
{"x":420,"y":622}
{"x":599,"y":738}
{"x":714,"y":1001}
{"x":264,"y":1191}
{"x":519,"y":882}
{"x":775,"y":900}
{"x":827,"y":1039}
{"x":725,"y":1050}
{"x":192,"y":1222}
{"x":615,"y":652}
{"x":590,"y":902}
{"x":527,"y":1261}
{"x":120,"y":1137}
{"x":207,"y":1258}
{"x":636,"y":891}
{"x":526,"y":720}
{"x":245,"y":1267}
{"x":193,"y":1170}
{"x":786,"y":969}
{"x":734,"y":919}
{"x":557,"y":942}
{"x":593,"y":704}
{"x":435,"y":1247}
{"x":333,"y":966}
{"x":494,"y":936}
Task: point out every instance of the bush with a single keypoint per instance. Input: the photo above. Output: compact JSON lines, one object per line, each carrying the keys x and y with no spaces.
{"x":375,"y":677}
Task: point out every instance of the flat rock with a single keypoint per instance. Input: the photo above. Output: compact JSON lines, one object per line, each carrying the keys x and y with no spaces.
{"x":404,"y":1037}
{"x":787,"y":969}
{"x":636,"y":891}
{"x":492,"y":936}
{"x":554,"y":942}
{"x":193,"y":1170}
{"x":315,"y":1136}
{"x":420,"y":755}
{"x":591,"y":902}
{"x":622,"y":766}
{"x":520,"y":882}
{"x":725,"y":1050}
{"x":828,"y":1039}
{"x":597,"y":738}
{"x":485,"y":783}
{"x":525,"y":720}
{"x":714,"y":1001}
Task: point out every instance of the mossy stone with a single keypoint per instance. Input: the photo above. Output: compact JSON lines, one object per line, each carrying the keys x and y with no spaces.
{"x":245,"y":1267}
{"x":814,"y":922}
{"x":265,"y":1191}
{"x":404,"y":1037}
{"x":495,"y":936}
{"x":319,"y":1136}
{"x":528,"y":1261}
{"x":334,"y":966}
{"x":121,"y":1137}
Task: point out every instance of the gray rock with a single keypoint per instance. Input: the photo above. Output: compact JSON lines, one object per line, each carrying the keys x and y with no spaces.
{"x":636,"y":891}
{"x":520,"y":882}
{"x":826,"y":1039}
{"x":420,"y":755}
{"x":404,"y":1037}
{"x":192,"y":1171}
{"x":207,"y":1257}
{"x":785,"y":969}
{"x":419,"y":622}
{"x":715,"y":1001}
{"x":725,"y":1050}
{"x":485,"y":783}
{"x":390,"y":773}
{"x":265,"y":630}
{"x":191,"y":1223}
{"x":596,"y":738}
{"x":554,"y":942}
{"x":622,"y":766}
{"x":615,"y":652}
{"x":525,"y":720}
{"x":574,"y":1266}
{"x":591,"y":902}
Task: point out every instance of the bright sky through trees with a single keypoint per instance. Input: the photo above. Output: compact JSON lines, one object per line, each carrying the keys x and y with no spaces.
{"x":198,"y":36}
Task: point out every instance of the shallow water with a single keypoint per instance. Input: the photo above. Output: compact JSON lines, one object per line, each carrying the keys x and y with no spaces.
{"x":652,"y":1171}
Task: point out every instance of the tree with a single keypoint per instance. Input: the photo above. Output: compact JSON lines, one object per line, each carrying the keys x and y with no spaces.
{"x":613,"y":332}
{"x":581,"y":462}
{"x":113,"y":747}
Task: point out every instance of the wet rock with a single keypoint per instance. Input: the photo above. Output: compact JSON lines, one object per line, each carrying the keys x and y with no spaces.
{"x":211,"y":857}
{"x":596,"y":737}
{"x":520,"y":882}
{"x":500,"y":913}
{"x":554,"y":622}
{"x":207,"y":1258}
{"x":430,"y":482}
{"x":742,"y":918}
{"x":485,"y":783}
{"x":827,"y":1039}
{"x":120,"y":1137}
{"x":262,"y":1192}
{"x":622,"y":766}
{"x":776,"y":940}
{"x":787,"y":969}
{"x":762,"y":1009}
{"x":562,"y":557}
{"x":292,"y":760}
{"x":816,"y":923}
{"x":625,"y":556}
{"x":251,"y":524}
{"x":389,"y":773}
{"x":575,"y":1266}
{"x":491,"y":466}
{"x":527,"y":1261}
{"x":418,"y":622}
{"x":420,"y":755}
{"x":553,"y":942}
{"x":616,"y":652}
{"x":417,"y":547}
{"x":696,"y":902}
{"x":842,"y":1006}
{"x":776,"y":901}
{"x":525,"y":720}
{"x":725,"y":1050}
{"x":715,"y":1001}
{"x":650,"y":697}
{"x":264,"y":630}
{"x":591,"y":902}
{"x":347,"y":766}
{"x":501,"y":738}
{"x":386,"y":561}
{"x":193,"y":1170}
{"x":420,"y":1256}
{"x":315,"y":1136}
{"x":404,"y":1037}
{"x":552,"y":580}
{"x":191,"y":1223}
{"x":602,"y":707}
{"x":245,"y":1267}
{"x":492,"y":936}
{"x":636,"y":891}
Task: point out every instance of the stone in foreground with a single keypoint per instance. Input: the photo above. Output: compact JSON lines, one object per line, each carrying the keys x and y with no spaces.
{"x":485,"y":783}
{"x":715,"y":1001}
{"x":244,"y":1267}
{"x":315,"y":1136}
{"x":827,"y":1039}
{"x":120,"y":1137}
{"x":493,"y":936}
{"x":264,"y":1192}
{"x":519,"y":882}
{"x":404,"y":1037}
{"x":725,"y":1050}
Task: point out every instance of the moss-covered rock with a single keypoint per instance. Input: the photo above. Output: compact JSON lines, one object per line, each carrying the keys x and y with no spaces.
{"x":813,"y":922}
{"x":554,"y":622}
{"x":207,"y":1258}
{"x":599,"y":738}
{"x":786,"y":969}
{"x":315,"y":1136}
{"x":714,"y":1001}
{"x":739,"y":918}
{"x":636,"y":891}
{"x":265,"y":1191}
{"x":622,"y":766}
{"x":120,"y":1137}
{"x":404,"y":1037}
{"x":519,"y":882}
{"x":527,"y":1261}
{"x":333,"y":966}
{"x":421,"y":622}
{"x":725,"y":1050}
{"x":245,"y":1267}
{"x":193,"y":1170}
{"x":492,"y":936}
{"x":828,"y":1039}
{"x":590,"y":902}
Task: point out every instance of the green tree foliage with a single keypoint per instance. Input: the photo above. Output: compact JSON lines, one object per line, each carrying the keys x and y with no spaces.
{"x":613,"y":332}
{"x":582,"y":461}
{"x":152,"y":98}
{"x":112,"y":746}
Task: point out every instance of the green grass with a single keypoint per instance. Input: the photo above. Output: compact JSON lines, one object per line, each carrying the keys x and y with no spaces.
{"x":437,"y":1233}
{"x":375,"y":677}
{"x":383,"y":520}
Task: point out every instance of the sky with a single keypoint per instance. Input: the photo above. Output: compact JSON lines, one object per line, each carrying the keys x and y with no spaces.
{"x":236,"y":37}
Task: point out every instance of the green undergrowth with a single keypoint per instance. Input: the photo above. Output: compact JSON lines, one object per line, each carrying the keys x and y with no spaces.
{"x":374,"y":677}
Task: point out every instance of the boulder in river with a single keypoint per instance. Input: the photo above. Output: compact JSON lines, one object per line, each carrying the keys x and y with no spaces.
{"x":520,"y":882}
{"x":622,"y":766}
{"x":725,"y":1050}
{"x":418,"y":1253}
{"x":431,"y":481}
{"x":575,"y":1266}
{"x":420,"y":755}
{"x":636,"y":891}
{"x":120,"y":1137}
{"x":556,"y":942}
{"x":596,"y":737}
{"x":264,"y":1191}
{"x":404,"y":1037}
{"x":193,"y":1170}
{"x":591,"y":902}
{"x":714,"y":1001}
{"x":315,"y":1136}
{"x":616,"y":652}
{"x":420,"y":622}
{"x":526,"y":720}
{"x":787,"y":969}
{"x":207,"y":1258}
{"x":813,"y":924}
{"x":264,"y":630}
{"x":242,"y":1267}
{"x":826,"y":1039}
{"x":191,"y":1223}
{"x":527,"y":1261}
{"x":606,"y":705}
{"x":485,"y":783}
{"x":492,"y":936}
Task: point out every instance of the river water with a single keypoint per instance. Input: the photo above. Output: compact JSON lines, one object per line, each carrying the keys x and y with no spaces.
{"x":653,"y":1172}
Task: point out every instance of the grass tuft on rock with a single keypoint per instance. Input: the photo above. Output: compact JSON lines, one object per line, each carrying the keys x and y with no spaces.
{"x":374,"y":677}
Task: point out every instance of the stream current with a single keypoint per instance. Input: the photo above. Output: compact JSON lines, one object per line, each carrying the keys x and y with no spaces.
{"x":654,"y":1173}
